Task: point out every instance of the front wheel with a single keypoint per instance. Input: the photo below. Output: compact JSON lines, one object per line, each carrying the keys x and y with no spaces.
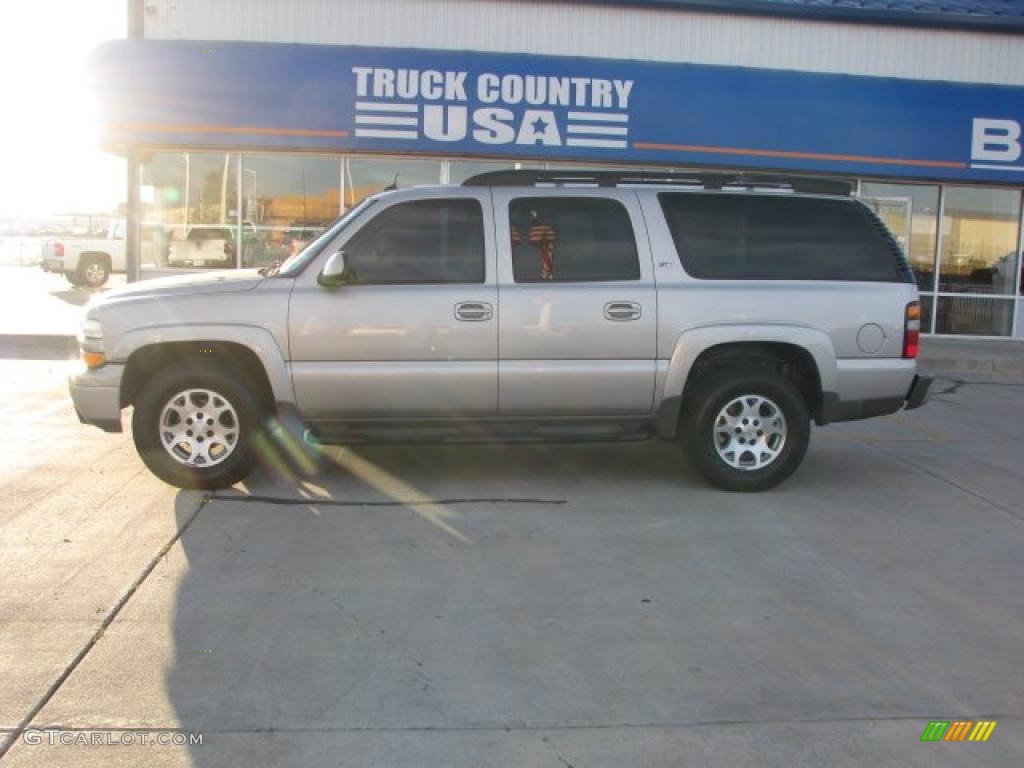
{"x":194,"y":426}
{"x":745,"y":430}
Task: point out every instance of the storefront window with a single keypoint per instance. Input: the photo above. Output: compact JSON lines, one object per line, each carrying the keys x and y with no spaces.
{"x":212,"y":189}
{"x":189,"y":210}
{"x":365,"y":176}
{"x":164,"y":205}
{"x":210,"y":237}
{"x":978,"y":251}
{"x":971,"y":315}
{"x":911,"y":212}
{"x":460,"y":170}
{"x":287,"y":200}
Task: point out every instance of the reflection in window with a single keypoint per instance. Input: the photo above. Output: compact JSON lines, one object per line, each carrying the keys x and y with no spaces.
{"x":460,"y":170}
{"x":571,"y":240}
{"x":423,"y":241}
{"x":189,"y":210}
{"x":212,"y":191}
{"x":910,"y":211}
{"x":974,"y":316}
{"x":978,"y":252}
{"x":162,"y":195}
{"x":366,"y":175}
{"x":203,"y":246}
{"x":287,"y":200}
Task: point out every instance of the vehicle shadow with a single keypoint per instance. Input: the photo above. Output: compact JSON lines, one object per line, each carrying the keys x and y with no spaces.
{"x":412,"y":605}
{"x":75,"y":296}
{"x":357,"y":598}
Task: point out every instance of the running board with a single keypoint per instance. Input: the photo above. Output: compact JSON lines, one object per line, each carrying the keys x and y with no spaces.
{"x":478,"y":432}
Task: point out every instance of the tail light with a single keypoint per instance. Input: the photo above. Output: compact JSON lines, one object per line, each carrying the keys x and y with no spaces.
{"x":58,"y":250}
{"x":912,"y":330}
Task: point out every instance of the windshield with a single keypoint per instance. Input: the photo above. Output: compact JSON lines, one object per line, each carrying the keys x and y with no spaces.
{"x":294,"y":265}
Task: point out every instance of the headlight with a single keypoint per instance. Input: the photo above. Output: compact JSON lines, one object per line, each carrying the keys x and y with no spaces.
{"x":90,"y":329}
{"x":90,"y":339}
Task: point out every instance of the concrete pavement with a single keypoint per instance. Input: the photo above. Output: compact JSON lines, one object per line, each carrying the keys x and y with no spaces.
{"x":496,"y":605}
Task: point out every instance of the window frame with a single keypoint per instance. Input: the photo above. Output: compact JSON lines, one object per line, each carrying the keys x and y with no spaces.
{"x":561,"y":197}
{"x":375,"y":216}
{"x":901,"y":268}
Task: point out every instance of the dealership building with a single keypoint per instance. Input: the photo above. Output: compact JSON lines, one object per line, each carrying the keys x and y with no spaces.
{"x":251,"y":124}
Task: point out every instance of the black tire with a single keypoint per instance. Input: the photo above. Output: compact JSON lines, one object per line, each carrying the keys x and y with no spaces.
{"x":93,"y":272}
{"x":179,"y":377}
{"x":73,"y":278}
{"x":711,"y":395}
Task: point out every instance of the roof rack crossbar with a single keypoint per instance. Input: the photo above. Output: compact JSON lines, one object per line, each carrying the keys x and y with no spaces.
{"x":814,"y":185}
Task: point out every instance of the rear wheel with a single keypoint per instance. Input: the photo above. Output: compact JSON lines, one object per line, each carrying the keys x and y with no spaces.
{"x":194,"y":426}
{"x":73,"y":278}
{"x":745,"y":430}
{"x":93,"y":272}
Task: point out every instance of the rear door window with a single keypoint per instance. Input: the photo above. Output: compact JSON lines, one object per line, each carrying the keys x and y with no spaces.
{"x":572,"y":240}
{"x":748,"y":237}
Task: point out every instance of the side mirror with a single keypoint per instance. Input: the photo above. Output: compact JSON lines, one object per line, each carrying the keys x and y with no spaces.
{"x":335,"y":272}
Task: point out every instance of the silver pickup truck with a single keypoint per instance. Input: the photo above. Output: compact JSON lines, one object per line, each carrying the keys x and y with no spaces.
{"x":727,"y":312}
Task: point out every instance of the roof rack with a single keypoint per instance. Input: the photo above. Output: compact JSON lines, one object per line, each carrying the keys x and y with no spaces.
{"x":627,"y":178}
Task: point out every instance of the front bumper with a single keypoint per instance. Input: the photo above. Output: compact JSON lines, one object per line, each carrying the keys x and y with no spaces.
{"x":920,"y":392}
{"x":96,"y":393}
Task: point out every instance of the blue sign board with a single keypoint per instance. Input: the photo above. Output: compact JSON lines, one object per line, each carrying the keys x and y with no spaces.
{"x":336,"y":98}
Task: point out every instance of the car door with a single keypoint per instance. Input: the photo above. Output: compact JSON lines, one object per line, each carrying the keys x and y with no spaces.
{"x":578,"y":324}
{"x":414,"y":334}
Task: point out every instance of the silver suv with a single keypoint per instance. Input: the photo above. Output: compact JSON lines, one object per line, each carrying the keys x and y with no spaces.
{"x":724,"y":311}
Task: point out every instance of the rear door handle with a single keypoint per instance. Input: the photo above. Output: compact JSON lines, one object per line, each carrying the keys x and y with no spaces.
{"x":622,"y":310}
{"x":473,"y":311}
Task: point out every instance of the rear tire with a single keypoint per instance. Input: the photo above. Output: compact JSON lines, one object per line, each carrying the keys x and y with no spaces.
{"x":212,"y":451}
{"x":745,"y":429}
{"x":93,"y":272}
{"x":73,"y":278}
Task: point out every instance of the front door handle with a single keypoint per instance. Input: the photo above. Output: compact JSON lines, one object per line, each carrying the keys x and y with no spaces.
{"x":473,"y":311}
{"x":622,"y":310}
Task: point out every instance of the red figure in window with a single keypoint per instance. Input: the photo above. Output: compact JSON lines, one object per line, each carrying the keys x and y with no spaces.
{"x":543,"y":236}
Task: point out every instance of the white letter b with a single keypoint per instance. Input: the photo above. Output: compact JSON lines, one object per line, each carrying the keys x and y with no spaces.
{"x":997,"y":140}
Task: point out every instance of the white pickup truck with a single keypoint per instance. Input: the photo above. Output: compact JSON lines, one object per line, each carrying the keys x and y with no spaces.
{"x":87,"y":261}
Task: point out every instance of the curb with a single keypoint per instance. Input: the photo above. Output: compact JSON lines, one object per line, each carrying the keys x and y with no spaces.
{"x":22,"y":346}
{"x":972,"y":366}
{"x":964,"y":356}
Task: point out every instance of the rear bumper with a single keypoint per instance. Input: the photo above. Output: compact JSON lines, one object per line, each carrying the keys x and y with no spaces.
{"x":833,"y":409}
{"x":52,"y":265}
{"x":920,"y":392}
{"x":96,"y":394}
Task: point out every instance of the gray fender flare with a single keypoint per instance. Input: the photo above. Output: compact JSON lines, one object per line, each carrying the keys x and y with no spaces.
{"x":258,"y":340}
{"x":692,"y":343}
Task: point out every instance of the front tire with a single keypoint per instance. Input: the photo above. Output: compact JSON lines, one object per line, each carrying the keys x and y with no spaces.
{"x":194,"y":426}
{"x":745,"y":430}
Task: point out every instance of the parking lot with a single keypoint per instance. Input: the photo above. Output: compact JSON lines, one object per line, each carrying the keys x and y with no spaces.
{"x":518,"y":605}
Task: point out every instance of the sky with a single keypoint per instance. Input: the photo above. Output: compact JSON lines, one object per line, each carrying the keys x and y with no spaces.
{"x":50,"y":161}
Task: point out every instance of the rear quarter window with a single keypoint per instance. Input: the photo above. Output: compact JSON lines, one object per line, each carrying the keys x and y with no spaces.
{"x":757,"y":237}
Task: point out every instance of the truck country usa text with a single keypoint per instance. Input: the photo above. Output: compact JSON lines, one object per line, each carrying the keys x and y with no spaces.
{"x":515,"y":109}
